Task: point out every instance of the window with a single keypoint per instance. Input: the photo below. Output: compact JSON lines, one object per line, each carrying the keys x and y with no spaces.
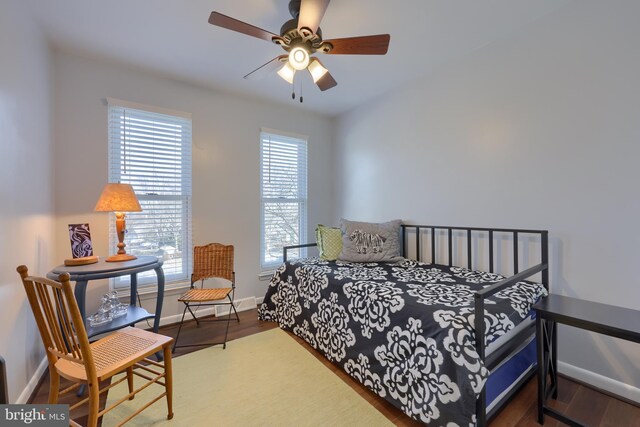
{"x":283,"y":193}
{"x":152,"y":152}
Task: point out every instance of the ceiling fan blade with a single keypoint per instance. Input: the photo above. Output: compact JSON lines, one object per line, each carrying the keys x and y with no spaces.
{"x":232,"y":24}
{"x":326,"y":82}
{"x":365,"y":45}
{"x":265,"y":69}
{"x":311,"y":13}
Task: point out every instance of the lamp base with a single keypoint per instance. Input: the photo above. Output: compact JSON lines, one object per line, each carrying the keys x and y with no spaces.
{"x":120,"y":258}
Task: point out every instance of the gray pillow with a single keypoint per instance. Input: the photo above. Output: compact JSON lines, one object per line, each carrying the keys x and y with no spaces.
{"x":370,"y":242}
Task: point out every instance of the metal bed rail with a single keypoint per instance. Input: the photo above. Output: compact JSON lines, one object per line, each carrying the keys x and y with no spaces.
{"x":286,"y":249}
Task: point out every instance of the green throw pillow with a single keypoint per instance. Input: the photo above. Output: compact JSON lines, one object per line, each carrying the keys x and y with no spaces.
{"x":329,"y":240}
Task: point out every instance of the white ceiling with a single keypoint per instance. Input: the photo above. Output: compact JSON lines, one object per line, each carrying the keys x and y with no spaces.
{"x":174,"y":38}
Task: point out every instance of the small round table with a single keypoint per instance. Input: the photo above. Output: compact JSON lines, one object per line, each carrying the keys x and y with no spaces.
{"x":81,"y":274}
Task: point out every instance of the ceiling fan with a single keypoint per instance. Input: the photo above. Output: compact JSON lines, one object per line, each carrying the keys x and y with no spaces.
{"x":301,"y":37}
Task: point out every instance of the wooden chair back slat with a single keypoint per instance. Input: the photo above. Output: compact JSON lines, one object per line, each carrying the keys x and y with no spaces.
{"x":43,"y":300}
{"x":50,"y":303}
{"x":213,"y":260}
{"x":67,"y":327}
{"x":63,"y":323}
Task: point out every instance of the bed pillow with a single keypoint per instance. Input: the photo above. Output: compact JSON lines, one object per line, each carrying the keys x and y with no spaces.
{"x":329,"y":240}
{"x":370,"y":242}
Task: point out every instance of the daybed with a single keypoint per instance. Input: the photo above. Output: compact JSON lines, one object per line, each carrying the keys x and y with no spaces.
{"x":408,"y":331}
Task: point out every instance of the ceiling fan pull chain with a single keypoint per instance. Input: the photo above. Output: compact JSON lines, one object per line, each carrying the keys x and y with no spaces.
{"x":301,"y":98}
{"x":293,"y":86}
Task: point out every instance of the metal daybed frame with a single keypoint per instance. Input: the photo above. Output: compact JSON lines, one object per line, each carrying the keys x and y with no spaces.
{"x":513,"y":345}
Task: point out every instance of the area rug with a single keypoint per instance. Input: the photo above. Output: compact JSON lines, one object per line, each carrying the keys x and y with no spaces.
{"x":266,"y":379}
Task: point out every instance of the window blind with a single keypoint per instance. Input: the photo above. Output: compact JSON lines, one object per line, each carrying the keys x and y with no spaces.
{"x":152,"y":152}
{"x":283,"y":191}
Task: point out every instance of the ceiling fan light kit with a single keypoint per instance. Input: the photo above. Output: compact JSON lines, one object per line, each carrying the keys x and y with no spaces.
{"x":301,"y":37}
{"x":287,"y":72}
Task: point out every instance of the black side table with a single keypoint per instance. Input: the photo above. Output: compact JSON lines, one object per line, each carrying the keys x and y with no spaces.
{"x":606,"y":319}
{"x":81,"y":274}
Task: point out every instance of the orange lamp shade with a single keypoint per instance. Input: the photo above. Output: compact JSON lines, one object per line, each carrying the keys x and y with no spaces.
{"x":118,"y":198}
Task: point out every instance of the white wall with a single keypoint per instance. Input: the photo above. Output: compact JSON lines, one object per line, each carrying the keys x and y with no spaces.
{"x":538,"y":131}
{"x":26,"y":205}
{"x":225,"y":159}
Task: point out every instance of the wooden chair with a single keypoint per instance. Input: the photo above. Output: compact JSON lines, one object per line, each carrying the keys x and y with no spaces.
{"x":214,"y":260}
{"x":71,"y":356}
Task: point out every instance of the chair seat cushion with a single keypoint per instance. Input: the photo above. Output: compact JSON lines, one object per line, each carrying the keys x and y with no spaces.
{"x":204,"y":295}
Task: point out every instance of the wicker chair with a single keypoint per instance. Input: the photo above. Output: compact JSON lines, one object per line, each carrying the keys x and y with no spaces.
{"x":214,"y":260}
{"x":71,"y":356}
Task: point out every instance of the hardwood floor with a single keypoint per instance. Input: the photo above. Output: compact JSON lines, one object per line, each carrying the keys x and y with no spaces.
{"x":578,"y":401}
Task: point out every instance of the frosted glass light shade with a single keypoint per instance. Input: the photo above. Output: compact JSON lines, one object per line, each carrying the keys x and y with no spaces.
{"x":287,"y":72}
{"x":118,"y":198}
{"x":299,"y":58}
{"x":316,"y":70}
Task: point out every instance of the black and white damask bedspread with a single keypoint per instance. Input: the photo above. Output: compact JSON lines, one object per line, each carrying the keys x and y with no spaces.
{"x":404,"y":330}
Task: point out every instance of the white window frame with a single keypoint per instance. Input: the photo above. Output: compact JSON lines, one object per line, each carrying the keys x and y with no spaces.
{"x":270,"y":263}
{"x":117,"y":173}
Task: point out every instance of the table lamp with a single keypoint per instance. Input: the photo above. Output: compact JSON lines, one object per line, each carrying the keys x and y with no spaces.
{"x":119,"y":198}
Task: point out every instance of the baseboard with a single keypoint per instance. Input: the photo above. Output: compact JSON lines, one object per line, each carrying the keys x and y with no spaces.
{"x":243,"y":304}
{"x":33,"y":382}
{"x":618,"y":388}
{"x":259,"y":300}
